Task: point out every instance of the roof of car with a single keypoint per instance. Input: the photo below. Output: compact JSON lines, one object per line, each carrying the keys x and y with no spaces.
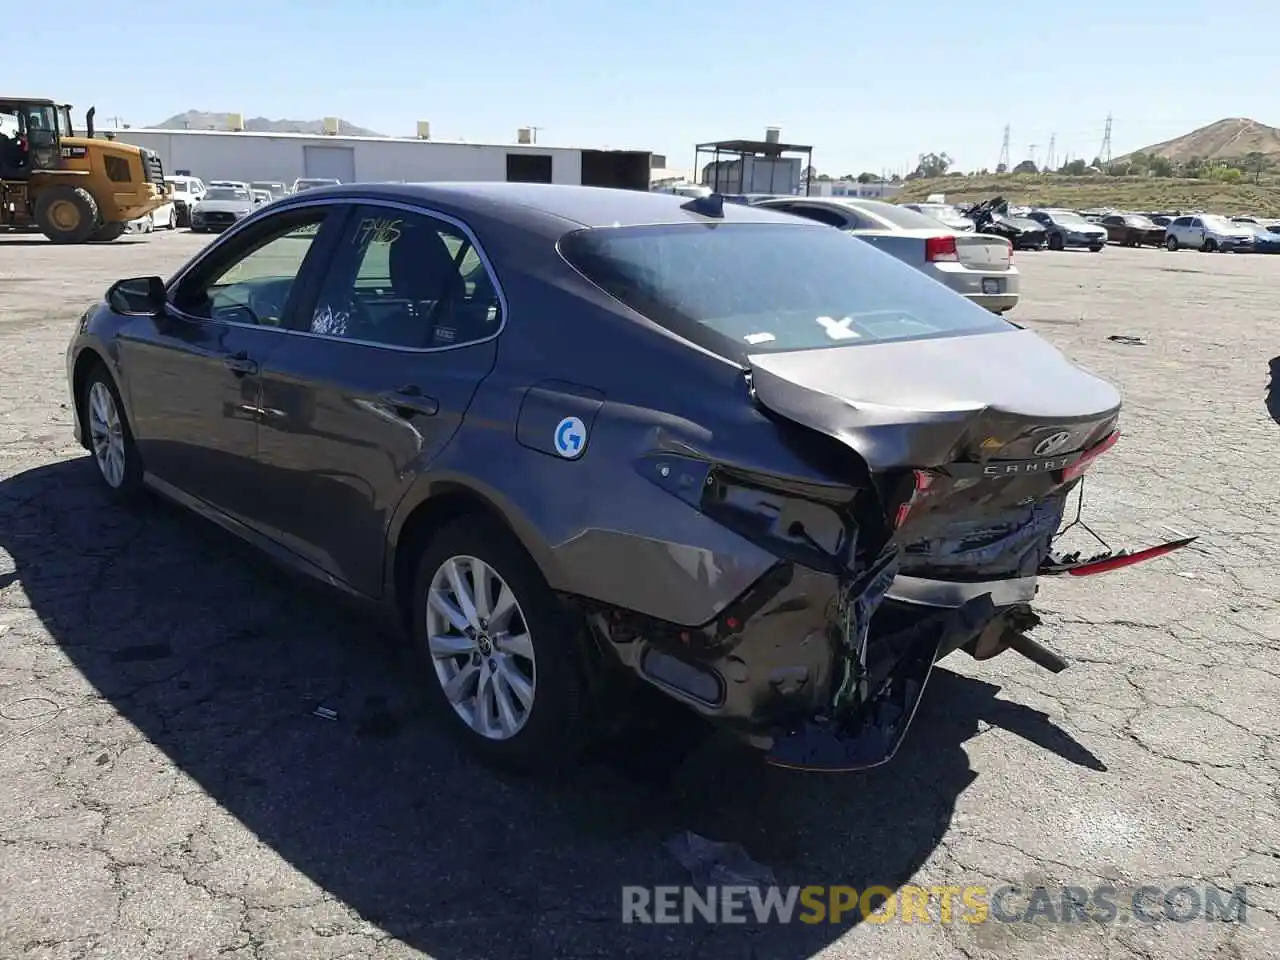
{"x":584,"y":206}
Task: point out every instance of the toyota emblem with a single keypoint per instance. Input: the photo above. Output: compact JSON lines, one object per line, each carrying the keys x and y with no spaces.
{"x":1052,"y":444}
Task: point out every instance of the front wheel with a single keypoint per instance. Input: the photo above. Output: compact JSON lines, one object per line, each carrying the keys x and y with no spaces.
{"x":108,"y":232}
{"x":504,"y":661}
{"x":1095,"y":249}
{"x":1171,"y":244}
{"x":1210,"y":246}
{"x":110,"y":438}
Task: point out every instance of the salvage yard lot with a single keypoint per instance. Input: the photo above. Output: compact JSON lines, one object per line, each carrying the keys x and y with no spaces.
{"x":166,"y":791}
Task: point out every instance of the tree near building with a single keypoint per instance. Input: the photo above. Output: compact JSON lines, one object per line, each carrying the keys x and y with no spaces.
{"x":933,"y":165}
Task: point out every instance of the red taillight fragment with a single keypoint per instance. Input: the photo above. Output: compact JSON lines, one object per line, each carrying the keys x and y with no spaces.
{"x":940,"y":248}
{"x":1085,"y":461}
{"x":921,"y":480}
{"x":1128,"y":559}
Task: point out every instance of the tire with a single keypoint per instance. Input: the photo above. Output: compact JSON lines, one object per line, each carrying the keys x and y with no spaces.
{"x":66,"y":214}
{"x":173,"y":220}
{"x":1171,"y":244}
{"x":99,"y":404}
{"x":1097,"y":249}
{"x":1055,"y":242}
{"x":551,"y":731}
{"x":108,"y":232}
{"x":1210,"y":246}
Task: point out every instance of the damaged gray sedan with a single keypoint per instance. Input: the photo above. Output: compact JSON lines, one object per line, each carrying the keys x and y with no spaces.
{"x":566,"y":437}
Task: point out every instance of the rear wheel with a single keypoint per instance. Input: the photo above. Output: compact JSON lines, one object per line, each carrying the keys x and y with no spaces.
{"x":504,"y":665}
{"x":110,"y":438}
{"x":66,"y":214}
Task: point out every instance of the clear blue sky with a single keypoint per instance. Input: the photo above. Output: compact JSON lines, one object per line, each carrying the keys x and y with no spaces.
{"x":871,"y":87}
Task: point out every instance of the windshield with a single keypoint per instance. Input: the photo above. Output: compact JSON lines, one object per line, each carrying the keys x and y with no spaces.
{"x":1220,"y":223}
{"x":42,"y":124}
{"x":741,"y":288}
{"x":1138,"y":222}
{"x":227,"y":193}
{"x":900,"y":217}
{"x":940,"y":210}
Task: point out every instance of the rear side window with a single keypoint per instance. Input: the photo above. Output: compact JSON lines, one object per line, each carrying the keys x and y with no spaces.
{"x":744,"y":288}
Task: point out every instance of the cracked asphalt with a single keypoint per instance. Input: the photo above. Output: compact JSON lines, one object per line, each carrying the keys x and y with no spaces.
{"x":167,"y":792}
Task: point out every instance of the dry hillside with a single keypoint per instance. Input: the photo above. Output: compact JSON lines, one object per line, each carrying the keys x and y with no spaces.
{"x":1095,"y":192}
{"x":1230,"y":139}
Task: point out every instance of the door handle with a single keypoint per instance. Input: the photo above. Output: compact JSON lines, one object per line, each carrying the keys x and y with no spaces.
{"x":240,"y":363}
{"x":410,"y":399}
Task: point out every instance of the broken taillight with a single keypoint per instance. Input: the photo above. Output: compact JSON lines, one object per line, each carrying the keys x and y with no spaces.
{"x":921,"y":481}
{"x":1086,"y":460}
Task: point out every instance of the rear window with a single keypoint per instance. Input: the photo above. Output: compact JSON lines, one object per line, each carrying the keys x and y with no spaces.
{"x":900,"y":217}
{"x":743,"y":288}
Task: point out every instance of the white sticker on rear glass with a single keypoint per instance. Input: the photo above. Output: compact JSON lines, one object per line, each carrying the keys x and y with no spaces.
{"x":838,"y":329}
{"x":754,"y":338}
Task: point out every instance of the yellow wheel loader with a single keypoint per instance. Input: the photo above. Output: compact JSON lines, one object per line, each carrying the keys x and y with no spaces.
{"x":72,"y":189}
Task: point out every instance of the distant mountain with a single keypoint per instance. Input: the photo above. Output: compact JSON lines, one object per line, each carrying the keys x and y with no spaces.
{"x":1230,"y":139}
{"x":202,"y":120}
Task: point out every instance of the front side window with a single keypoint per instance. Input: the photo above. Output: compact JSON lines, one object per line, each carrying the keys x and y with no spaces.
{"x":251,"y":283}
{"x":404,"y":279}
{"x":743,"y":288}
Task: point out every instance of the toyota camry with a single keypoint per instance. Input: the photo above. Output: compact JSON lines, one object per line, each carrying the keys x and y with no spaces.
{"x":567,"y":437}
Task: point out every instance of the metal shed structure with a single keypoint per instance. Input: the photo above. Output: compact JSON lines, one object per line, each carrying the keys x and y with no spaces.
{"x":754,"y":166}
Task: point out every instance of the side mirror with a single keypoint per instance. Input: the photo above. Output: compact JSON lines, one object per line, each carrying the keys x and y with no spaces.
{"x":139,"y":296}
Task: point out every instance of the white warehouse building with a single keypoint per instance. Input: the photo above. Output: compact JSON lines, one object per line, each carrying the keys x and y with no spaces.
{"x":285,"y":157}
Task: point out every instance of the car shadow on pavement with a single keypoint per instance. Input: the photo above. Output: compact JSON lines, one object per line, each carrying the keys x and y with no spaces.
{"x":1273,"y":391}
{"x":219,"y":661}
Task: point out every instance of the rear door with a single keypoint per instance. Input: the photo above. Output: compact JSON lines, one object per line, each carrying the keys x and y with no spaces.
{"x":373,"y":383}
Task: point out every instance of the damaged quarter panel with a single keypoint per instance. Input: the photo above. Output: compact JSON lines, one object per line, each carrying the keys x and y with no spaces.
{"x":602,"y":521}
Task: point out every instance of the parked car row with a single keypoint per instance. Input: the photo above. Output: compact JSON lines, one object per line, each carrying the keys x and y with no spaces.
{"x":1208,"y":232}
{"x":202,"y":206}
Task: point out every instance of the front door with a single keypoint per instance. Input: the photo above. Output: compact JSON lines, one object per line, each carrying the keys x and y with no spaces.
{"x":374,"y":384}
{"x":193,"y":374}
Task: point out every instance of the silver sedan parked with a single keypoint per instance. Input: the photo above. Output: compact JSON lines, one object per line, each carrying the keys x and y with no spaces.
{"x":978,"y":266}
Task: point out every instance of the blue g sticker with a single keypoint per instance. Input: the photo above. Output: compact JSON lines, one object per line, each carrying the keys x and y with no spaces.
{"x":570,"y":438}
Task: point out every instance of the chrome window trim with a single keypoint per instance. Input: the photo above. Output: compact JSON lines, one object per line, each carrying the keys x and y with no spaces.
{"x":229,"y":234}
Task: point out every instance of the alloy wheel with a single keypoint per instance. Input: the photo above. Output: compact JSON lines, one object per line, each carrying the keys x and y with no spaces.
{"x":107,"y":433}
{"x":481,"y":647}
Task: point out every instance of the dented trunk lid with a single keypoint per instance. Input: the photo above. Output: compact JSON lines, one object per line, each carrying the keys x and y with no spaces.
{"x":990,"y":405}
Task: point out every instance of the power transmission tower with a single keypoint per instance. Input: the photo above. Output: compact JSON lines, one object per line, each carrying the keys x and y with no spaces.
{"x":1104,"y":154}
{"x":1049,"y":160}
{"x":1004,"y":150}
